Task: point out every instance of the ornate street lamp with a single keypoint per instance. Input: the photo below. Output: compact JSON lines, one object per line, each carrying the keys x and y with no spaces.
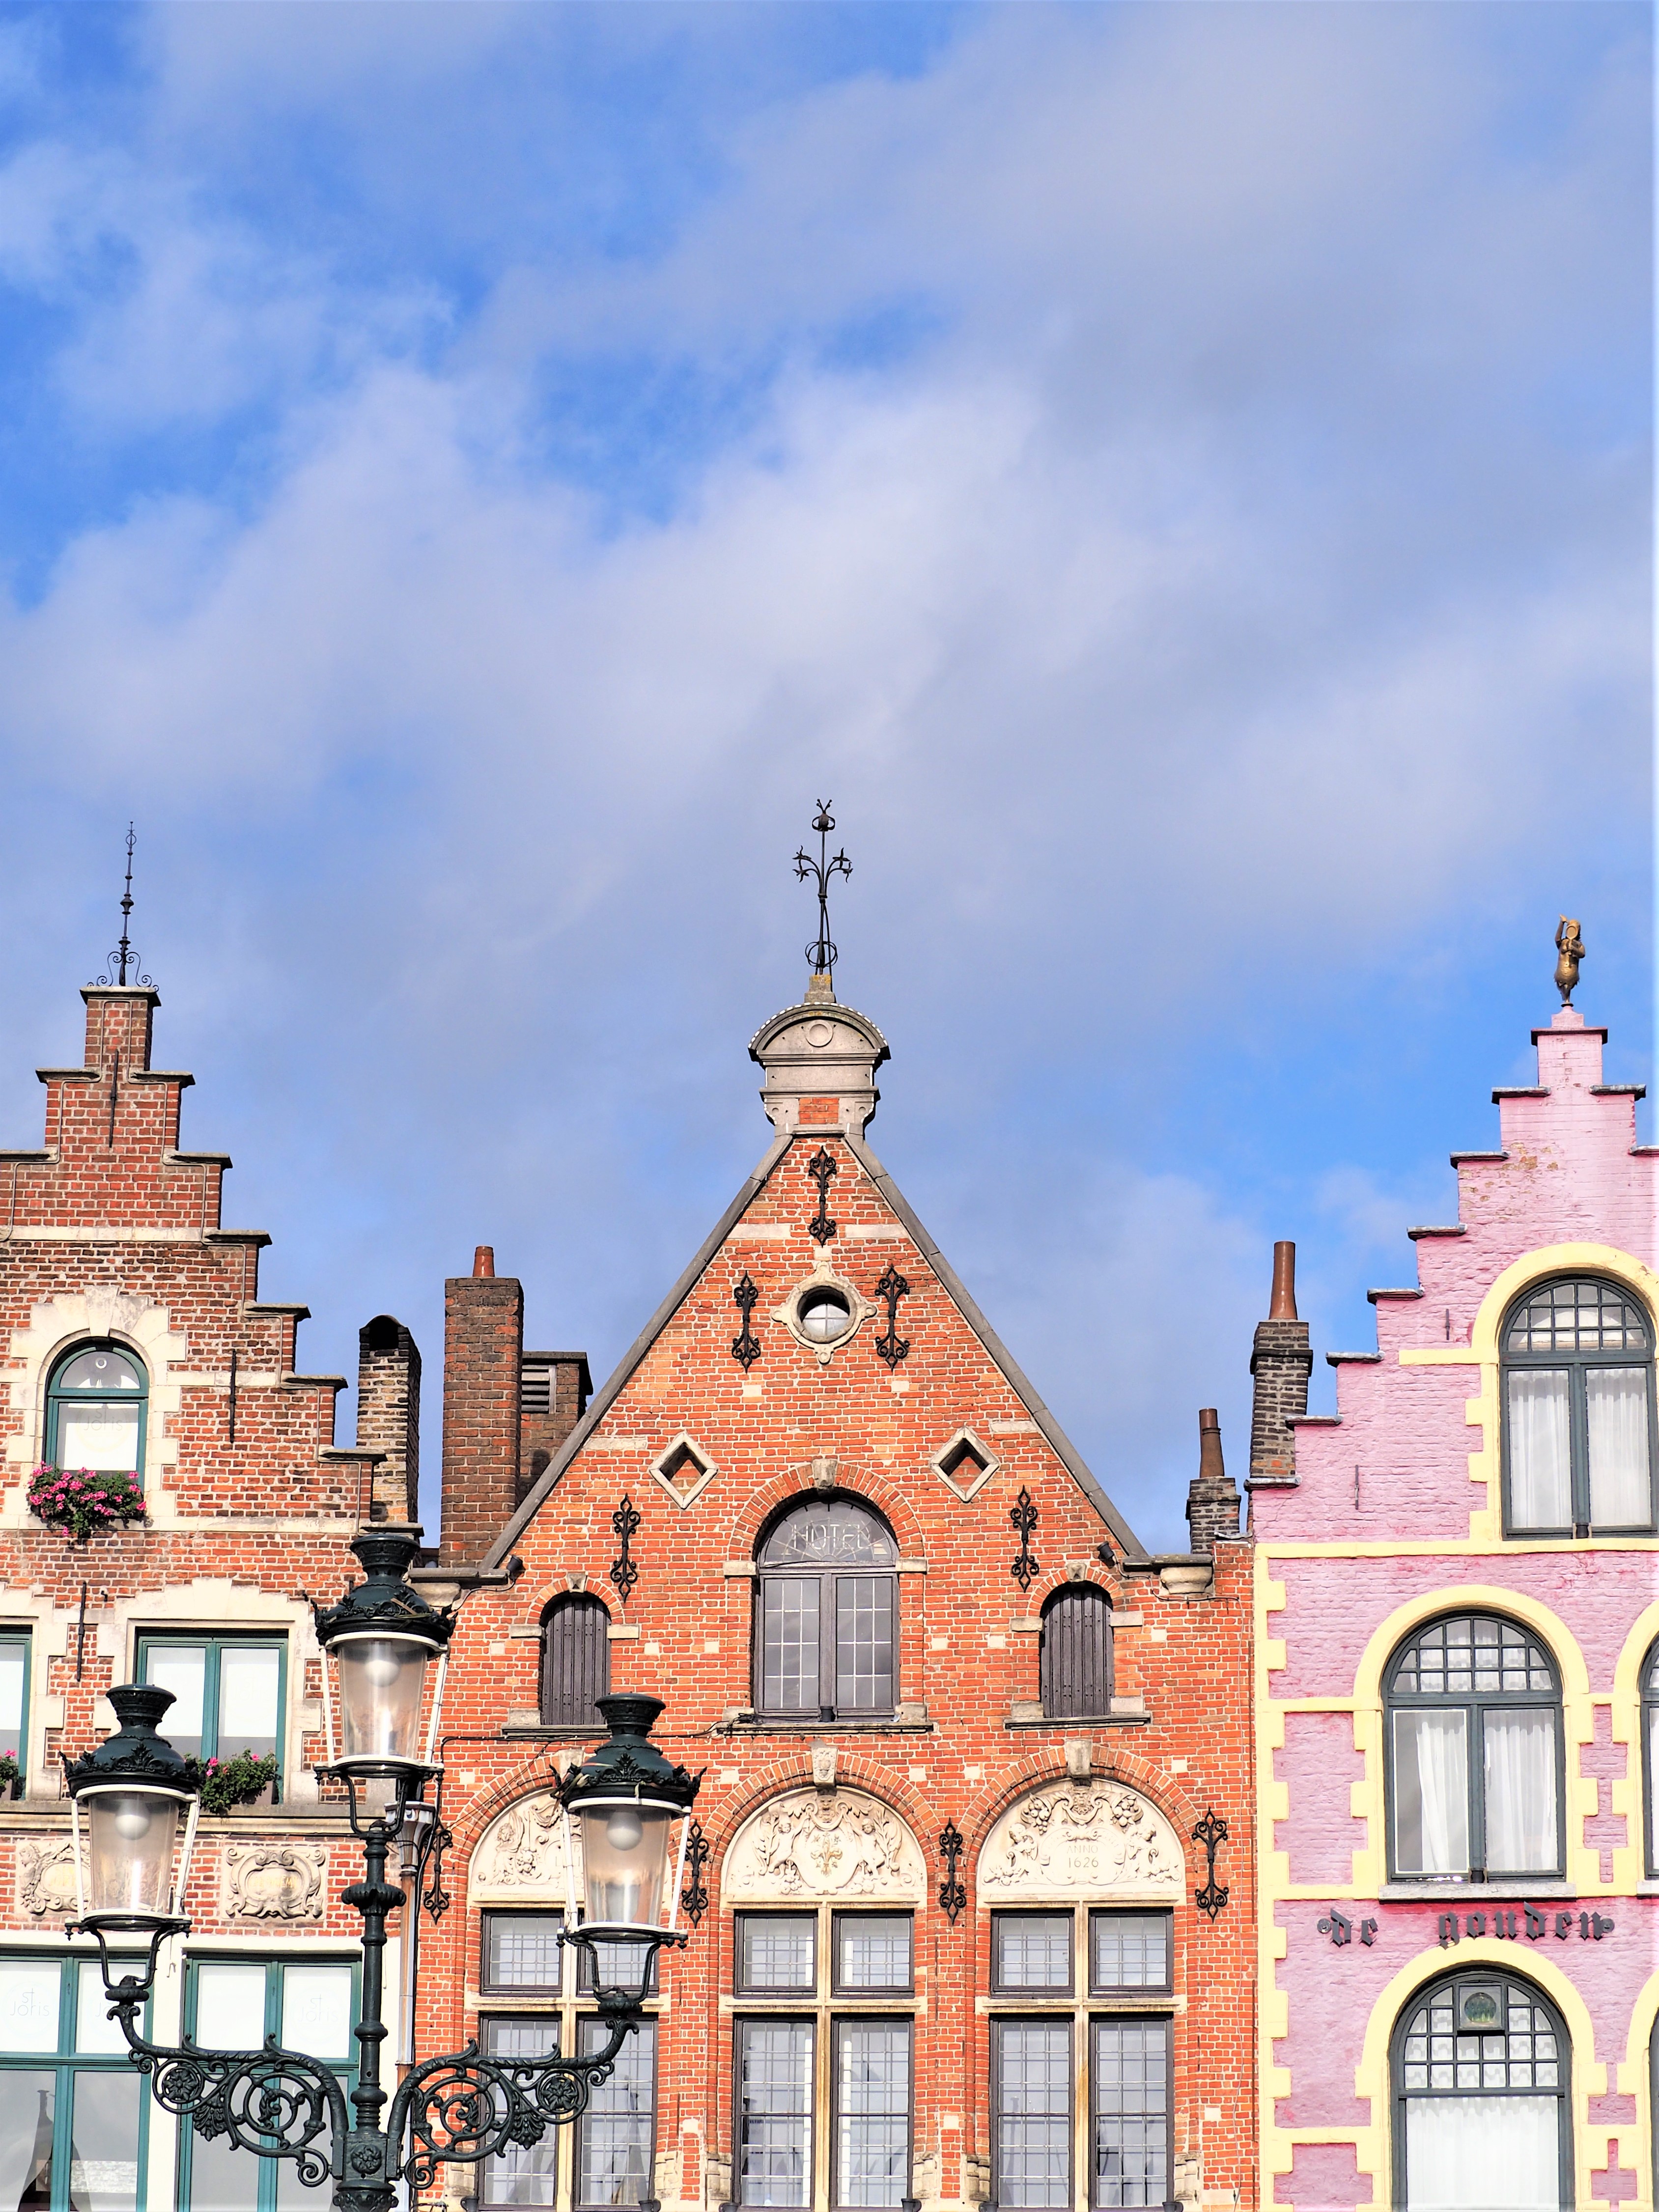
{"x":381,"y":1641}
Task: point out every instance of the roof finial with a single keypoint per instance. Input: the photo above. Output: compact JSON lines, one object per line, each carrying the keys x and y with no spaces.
{"x":1570,"y":945}
{"x":123,"y":958}
{"x":822,"y":955}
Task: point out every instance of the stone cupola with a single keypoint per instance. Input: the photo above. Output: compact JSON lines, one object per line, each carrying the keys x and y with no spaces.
{"x":820,"y":1059}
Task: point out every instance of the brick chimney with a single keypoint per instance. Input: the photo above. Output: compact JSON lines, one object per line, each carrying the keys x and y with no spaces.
{"x":554,"y":1389}
{"x":1281,"y":1363}
{"x":1212,"y":1495}
{"x":484,"y":1352}
{"x":389,"y":1415}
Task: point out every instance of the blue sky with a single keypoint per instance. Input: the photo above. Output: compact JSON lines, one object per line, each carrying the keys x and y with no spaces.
{"x":1177,"y":477}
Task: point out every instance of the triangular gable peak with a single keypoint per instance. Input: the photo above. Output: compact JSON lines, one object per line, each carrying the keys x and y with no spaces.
{"x":820,"y":1335}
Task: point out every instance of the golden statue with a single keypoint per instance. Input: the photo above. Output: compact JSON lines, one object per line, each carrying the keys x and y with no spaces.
{"x":1570,"y":946}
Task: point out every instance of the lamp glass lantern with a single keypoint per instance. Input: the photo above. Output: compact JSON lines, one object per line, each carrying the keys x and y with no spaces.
{"x":622,"y":1803}
{"x":381,"y":1640}
{"x":134,"y":1791}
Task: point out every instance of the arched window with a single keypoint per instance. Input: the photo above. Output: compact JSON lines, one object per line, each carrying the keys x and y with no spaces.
{"x":1481,"y":2069}
{"x":1075,"y":1664}
{"x":1651,"y":1754}
{"x":1577,"y":1411}
{"x":829,"y":1612}
{"x":95,"y":1408}
{"x":1475,"y":1752}
{"x":575,"y":1662}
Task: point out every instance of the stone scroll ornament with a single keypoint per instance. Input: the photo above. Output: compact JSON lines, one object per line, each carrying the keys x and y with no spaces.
{"x":275,"y":1881}
{"x":522,"y":1852}
{"x":1076,"y":1836}
{"x":45,"y":1878}
{"x":840,"y":1844}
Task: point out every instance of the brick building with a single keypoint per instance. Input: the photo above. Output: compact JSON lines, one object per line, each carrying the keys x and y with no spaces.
{"x":1457,"y":1684}
{"x":958,"y":1727}
{"x":135,"y":1338}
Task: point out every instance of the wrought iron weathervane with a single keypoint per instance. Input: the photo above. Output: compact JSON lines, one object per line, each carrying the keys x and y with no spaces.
{"x":822,"y":955}
{"x":123,"y":957}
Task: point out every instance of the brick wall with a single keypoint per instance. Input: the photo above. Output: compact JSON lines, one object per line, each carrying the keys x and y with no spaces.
{"x":484,"y":1352}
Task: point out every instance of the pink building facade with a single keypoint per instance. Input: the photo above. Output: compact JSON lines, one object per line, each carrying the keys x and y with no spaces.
{"x":1457,"y":1692}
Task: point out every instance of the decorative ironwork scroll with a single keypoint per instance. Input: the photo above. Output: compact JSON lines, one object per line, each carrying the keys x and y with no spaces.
{"x":624,"y":1573}
{"x":952,"y":1897}
{"x":123,"y":956}
{"x":890,"y":1289}
{"x":464,"y":2109}
{"x":695,"y":1896}
{"x":821,"y":1167}
{"x":1211,"y":1832}
{"x":745,"y":1349}
{"x":822,"y":954}
{"x":1025,"y":1567}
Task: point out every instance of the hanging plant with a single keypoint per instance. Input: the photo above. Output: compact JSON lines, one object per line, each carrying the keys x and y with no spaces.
{"x":230,"y":1782}
{"x":10,"y":1775}
{"x":81,"y":1504}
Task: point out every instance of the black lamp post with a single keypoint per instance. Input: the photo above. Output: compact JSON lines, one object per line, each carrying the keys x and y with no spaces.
{"x":134,"y":1790}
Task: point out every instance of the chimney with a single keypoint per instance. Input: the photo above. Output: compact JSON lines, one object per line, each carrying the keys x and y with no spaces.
{"x":484,"y":1351}
{"x":554,"y":1389}
{"x":1281,"y":1363}
{"x":1212,"y":1495}
{"x":389,"y":1415}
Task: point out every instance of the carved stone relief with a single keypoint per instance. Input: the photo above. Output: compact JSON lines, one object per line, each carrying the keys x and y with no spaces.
{"x":1081,"y":1840}
{"x":46,"y":1877}
{"x":824,"y":1843}
{"x":275,"y":1881}
{"x":521,"y":1854}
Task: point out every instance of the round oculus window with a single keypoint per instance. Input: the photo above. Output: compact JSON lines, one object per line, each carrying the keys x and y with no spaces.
{"x":823,"y":1315}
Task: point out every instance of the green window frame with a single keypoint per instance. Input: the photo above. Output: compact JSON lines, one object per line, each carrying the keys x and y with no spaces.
{"x":231,"y":1668}
{"x":216,"y":2175}
{"x":16,"y":1659}
{"x":63,"y":1395}
{"x":74,"y":2110}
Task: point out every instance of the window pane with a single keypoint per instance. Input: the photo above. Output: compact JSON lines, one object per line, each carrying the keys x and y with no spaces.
{"x":864,"y":1644}
{"x":98,"y":1437}
{"x":1482,"y":2151}
{"x":775,"y":2112}
{"x":1541,"y":1459}
{"x":104,"y":2146}
{"x":829,"y":1533}
{"x":521,"y":1950}
{"x":1471,"y":1652}
{"x":221,"y":2178}
{"x":615,"y":2137}
{"x":1034,"y":2113}
{"x":1519,"y":1761}
{"x":873,"y":2111}
{"x":230,"y":2007}
{"x":107,"y":1368}
{"x":1430,"y":1792}
{"x":1032,"y":1951}
{"x":27,"y":2113}
{"x":29,"y":2003}
{"x":1130,"y":1951}
{"x":317,"y":2011}
{"x":14,"y":1662}
{"x":250,"y":1675}
{"x":95,"y":2033}
{"x":777,"y":1951}
{"x":873,"y":1951}
{"x":789,"y":1653}
{"x":181,"y":1669}
{"x":523,"y":2175}
{"x":1620,"y":1470}
{"x":1131,"y":2112}
{"x":1578,"y":1317}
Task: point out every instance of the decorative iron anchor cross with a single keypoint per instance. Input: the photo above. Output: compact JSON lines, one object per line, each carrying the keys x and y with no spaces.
{"x":822,"y":955}
{"x":952,"y":1897}
{"x":1211,"y":1832}
{"x":821,"y":1167}
{"x":890,"y":1289}
{"x":624,"y":1573}
{"x":745,"y":1349}
{"x":1025,"y":1568}
{"x":695,"y":1896}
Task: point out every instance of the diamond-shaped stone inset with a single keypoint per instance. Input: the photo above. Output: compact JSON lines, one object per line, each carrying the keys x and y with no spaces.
{"x":683,"y":1469}
{"x":964,"y":1465}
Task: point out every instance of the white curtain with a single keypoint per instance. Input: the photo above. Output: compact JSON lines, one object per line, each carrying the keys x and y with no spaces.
{"x":1431,"y":1792}
{"x":1620,"y":1483}
{"x":1482,"y":2154}
{"x":100,"y":1438}
{"x":1520,"y":1824}
{"x":1541,"y":1454}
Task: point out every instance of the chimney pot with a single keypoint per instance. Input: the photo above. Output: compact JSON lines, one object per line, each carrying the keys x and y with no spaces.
{"x":484,"y":1265}
{"x":1283,"y":1305}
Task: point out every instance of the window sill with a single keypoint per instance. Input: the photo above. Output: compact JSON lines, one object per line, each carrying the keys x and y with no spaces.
{"x":533,"y":1732}
{"x":1017,"y":1719}
{"x":1466,"y":1896}
{"x":779,"y":1724}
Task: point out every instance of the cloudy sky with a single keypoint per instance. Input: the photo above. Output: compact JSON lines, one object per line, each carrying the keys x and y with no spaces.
{"x":1176,"y":477}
